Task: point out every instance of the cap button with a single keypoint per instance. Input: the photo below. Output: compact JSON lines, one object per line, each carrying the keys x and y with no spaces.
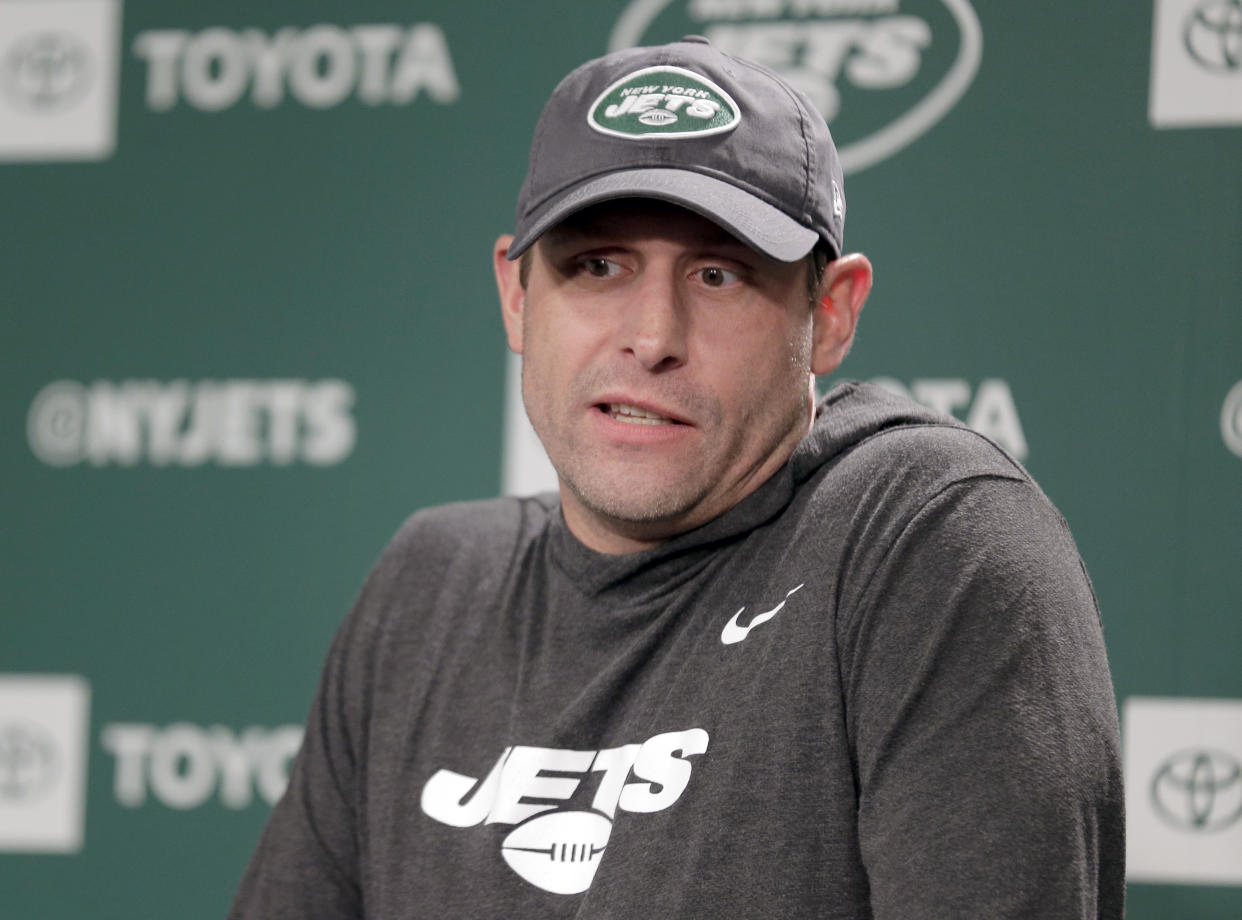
{"x":697,"y":39}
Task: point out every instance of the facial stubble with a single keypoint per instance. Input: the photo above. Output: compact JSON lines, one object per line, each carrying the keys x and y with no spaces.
{"x":639,"y":498}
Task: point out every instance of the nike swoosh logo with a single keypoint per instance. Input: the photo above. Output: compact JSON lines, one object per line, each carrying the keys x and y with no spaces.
{"x":733,"y":633}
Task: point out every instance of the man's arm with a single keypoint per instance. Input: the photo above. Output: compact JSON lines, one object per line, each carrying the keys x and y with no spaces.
{"x":982,"y":717}
{"x":305,"y":866}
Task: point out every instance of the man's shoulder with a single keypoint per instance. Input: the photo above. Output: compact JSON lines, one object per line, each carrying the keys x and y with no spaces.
{"x":480,"y":528}
{"x":891,"y":462}
{"x":458,"y":550}
{"x":872,"y":438}
{"x":938,"y":449}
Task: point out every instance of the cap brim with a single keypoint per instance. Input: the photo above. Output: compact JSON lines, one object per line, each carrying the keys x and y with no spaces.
{"x":755,"y":222}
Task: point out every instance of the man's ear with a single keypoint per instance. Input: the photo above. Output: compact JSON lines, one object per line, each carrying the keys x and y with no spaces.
{"x":842,"y":293}
{"x":512,"y":295}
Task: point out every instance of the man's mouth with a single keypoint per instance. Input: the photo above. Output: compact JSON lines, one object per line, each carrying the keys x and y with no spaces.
{"x":634,"y":415}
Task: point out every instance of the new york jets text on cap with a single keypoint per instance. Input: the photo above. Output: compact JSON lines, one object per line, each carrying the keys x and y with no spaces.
{"x":686,"y":123}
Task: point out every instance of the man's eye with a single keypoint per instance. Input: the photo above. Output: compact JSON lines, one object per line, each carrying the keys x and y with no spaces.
{"x":599,"y":268}
{"x":715,"y":276}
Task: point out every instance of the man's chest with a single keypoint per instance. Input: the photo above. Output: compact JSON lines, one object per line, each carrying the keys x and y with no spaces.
{"x":577,"y":763}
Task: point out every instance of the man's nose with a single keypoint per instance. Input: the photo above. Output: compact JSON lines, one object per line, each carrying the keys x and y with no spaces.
{"x":654,"y":329}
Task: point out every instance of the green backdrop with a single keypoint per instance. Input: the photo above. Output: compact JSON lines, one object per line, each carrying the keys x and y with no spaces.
{"x":249,"y":325}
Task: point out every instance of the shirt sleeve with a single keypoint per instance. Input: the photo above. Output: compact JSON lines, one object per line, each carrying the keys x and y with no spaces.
{"x":306,"y":863}
{"x":982,"y":716}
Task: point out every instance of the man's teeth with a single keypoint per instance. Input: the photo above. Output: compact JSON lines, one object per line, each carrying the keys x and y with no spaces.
{"x":636,"y":416}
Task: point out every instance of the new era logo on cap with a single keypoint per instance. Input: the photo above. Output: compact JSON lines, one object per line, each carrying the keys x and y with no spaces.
{"x":664,"y":102}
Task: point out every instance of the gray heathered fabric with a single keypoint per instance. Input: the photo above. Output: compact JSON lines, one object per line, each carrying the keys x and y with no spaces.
{"x":926,"y":729}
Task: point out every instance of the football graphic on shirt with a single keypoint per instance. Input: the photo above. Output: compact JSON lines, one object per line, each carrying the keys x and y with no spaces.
{"x":558,"y":851}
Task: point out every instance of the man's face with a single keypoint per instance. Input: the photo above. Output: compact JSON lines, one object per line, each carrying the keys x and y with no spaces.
{"x":666,"y":368}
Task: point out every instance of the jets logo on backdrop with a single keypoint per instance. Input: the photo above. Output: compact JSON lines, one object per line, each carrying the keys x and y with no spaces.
{"x":882,"y":72}
{"x":558,"y":847}
{"x":665,"y":102}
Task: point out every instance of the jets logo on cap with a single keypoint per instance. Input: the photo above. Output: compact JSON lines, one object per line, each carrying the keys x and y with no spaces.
{"x":664,"y":102}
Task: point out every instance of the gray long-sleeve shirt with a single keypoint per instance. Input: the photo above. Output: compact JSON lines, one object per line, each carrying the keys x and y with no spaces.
{"x":877,"y":688}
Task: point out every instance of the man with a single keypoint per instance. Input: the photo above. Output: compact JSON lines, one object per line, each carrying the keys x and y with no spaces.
{"x":759,"y":658}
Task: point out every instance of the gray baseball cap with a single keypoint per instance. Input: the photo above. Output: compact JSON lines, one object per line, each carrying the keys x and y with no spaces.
{"x":689,"y":124}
